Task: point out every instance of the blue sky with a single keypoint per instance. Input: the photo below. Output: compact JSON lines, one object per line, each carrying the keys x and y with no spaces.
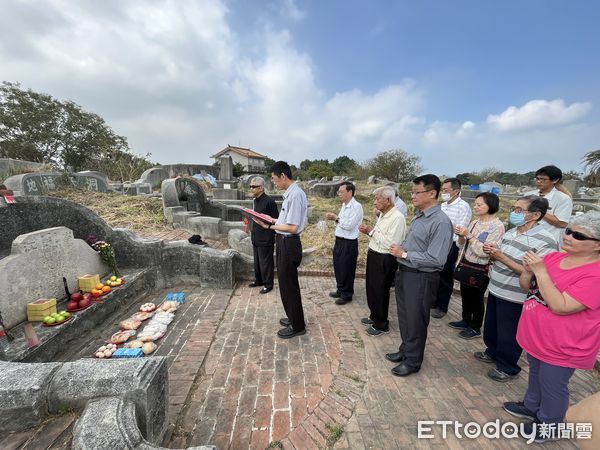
{"x":463,"y":84}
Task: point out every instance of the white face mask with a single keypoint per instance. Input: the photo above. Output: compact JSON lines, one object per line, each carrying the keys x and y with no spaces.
{"x":446,"y":196}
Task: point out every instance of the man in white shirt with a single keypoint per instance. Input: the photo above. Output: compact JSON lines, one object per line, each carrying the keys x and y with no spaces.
{"x":459,"y":212}
{"x":345,"y":249}
{"x":561,"y":205}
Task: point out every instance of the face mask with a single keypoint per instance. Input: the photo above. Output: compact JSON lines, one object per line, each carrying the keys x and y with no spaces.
{"x":446,"y":196}
{"x":517,"y":219}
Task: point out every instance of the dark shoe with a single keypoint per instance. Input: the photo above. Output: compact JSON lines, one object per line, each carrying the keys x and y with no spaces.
{"x":289,"y":332}
{"x":395,"y":357}
{"x":343,"y":301}
{"x":498,"y":375}
{"x":518,"y":409}
{"x":266,"y":290}
{"x":438,"y":313}
{"x":458,"y":325}
{"x":255,"y":284}
{"x":366,"y":321}
{"x":541,"y":432}
{"x":402,"y":370}
{"x":335,"y":294}
{"x":469,"y":333}
{"x":372,"y":331}
{"x":285,"y":322}
{"x":484,"y":357}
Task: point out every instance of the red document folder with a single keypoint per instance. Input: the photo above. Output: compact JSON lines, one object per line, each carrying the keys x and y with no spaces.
{"x":260,"y":216}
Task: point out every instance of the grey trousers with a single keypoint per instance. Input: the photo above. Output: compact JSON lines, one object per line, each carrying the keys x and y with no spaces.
{"x":415,"y":294}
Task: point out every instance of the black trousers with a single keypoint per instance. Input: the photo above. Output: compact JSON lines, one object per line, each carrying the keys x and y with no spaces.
{"x":447,"y":280}
{"x":381,"y":269}
{"x":345,"y":254}
{"x":264,"y":267}
{"x":415,"y":293}
{"x":472,"y":304}
{"x":288,"y":255}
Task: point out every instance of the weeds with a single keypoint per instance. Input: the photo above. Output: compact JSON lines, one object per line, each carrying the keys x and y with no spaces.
{"x":335,"y":433}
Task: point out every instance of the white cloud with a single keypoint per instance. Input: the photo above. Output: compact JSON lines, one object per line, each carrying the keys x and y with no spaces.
{"x":290,"y":10}
{"x":539,"y":113}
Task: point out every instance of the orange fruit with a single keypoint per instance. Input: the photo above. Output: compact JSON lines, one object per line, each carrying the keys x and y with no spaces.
{"x":106,"y":289}
{"x":96,"y":293}
{"x":99,"y":286}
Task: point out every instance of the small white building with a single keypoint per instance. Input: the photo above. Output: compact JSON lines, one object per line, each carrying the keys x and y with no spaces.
{"x":252,"y":161}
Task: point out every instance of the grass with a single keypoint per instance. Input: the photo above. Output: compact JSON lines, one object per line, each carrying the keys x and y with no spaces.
{"x":275,"y":444}
{"x":335,"y":433}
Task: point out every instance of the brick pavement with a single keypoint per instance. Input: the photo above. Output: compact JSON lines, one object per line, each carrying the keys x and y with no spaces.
{"x":256,"y":390}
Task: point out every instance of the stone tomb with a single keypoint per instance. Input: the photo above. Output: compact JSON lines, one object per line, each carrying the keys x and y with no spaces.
{"x":42,"y":182}
{"x":36,"y":265}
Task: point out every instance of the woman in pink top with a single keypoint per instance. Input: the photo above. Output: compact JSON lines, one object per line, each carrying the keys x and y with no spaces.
{"x":560,"y":324}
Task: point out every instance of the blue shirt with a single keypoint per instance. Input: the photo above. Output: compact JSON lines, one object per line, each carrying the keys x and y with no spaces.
{"x":294,"y":209}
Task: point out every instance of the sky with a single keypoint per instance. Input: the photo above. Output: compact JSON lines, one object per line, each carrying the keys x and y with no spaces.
{"x":464,"y":84}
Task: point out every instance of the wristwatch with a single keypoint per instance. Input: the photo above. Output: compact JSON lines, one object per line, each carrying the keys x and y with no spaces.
{"x":337,"y":220}
{"x":403,"y":255}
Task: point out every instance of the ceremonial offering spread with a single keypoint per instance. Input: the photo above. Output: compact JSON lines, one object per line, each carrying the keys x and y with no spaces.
{"x":106,"y":351}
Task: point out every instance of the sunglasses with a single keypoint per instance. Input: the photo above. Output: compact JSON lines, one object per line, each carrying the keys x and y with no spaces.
{"x":579,"y":236}
{"x":254,"y":187}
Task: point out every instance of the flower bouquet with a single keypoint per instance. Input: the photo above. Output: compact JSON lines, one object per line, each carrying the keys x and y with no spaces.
{"x":107,"y":253}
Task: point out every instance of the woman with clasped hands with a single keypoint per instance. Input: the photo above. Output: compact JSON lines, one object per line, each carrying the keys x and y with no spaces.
{"x":560,"y":324}
{"x":485,"y":229}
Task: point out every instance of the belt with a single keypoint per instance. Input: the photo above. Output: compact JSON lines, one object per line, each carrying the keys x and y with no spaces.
{"x":346,"y":239}
{"x":287,"y":236}
{"x":404,"y":268}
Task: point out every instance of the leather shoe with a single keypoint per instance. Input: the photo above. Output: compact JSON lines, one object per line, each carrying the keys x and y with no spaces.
{"x":289,"y":332}
{"x":343,"y":301}
{"x":402,"y":370}
{"x":266,"y":290}
{"x":335,"y":294}
{"x":395,"y":357}
{"x":254,"y":284}
{"x":285,"y":322}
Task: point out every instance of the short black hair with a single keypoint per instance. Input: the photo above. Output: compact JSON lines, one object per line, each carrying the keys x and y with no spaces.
{"x":281,"y":167}
{"x":456,"y":184}
{"x":349,"y":187}
{"x":537,"y":204}
{"x":430,"y":181}
{"x":552,"y":172}
{"x":491,"y":200}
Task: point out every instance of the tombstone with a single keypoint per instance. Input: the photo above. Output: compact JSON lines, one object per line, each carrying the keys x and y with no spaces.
{"x":183,"y":191}
{"x":226,"y":168}
{"x":371,"y":179}
{"x":154,"y":176}
{"x":137,"y":188}
{"x":42,"y":182}
{"x":572,"y":185}
{"x":328,"y":189}
{"x":36,"y":265}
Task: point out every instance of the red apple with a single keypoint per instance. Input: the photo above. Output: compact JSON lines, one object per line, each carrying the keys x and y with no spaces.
{"x":88,"y":296}
{"x":84,"y":302}
{"x":77,"y":296}
{"x":71,"y":305}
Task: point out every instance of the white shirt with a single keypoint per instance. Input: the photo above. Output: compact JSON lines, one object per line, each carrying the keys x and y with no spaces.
{"x":401,"y":206}
{"x":561,"y":206}
{"x":459,"y":213}
{"x":389,"y":229}
{"x":294,"y":209}
{"x":349,"y":218}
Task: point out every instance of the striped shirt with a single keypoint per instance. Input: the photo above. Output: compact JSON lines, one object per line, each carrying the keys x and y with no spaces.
{"x":504,"y":283}
{"x":459,"y":213}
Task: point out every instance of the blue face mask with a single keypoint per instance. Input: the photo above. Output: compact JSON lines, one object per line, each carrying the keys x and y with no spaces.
{"x":517,"y":219}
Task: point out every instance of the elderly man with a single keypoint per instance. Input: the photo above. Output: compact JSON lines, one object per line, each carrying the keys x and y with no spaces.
{"x":381,"y":265}
{"x":263,"y":240}
{"x":459,"y":213}
{"x":288,"y":251}
{"x":345,"y":249}
{"x":561,"y":204}
{"x":421,"y":257}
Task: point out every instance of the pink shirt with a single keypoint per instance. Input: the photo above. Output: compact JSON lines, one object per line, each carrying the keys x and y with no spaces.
{"x":567,"y":341}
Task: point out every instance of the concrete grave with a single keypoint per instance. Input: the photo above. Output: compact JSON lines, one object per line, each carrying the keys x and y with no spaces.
{"x":35,"y":268}
{"x":42,"y":182}
{"x":154,"y":176}
{"x":9,"y":164}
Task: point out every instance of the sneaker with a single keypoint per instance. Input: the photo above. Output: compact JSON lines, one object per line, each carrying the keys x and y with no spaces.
{"x":335,"y":294}
{"x":458,"y":325}
{"x":498,"y":375}
{"x":372,"y":331}
{"x":438,"y":313}
{"x":518,"y":409}
{"x":366,"y":321}
{"x":469,"y":333}
{"x":484,"y":357}
{"x":543,"y":432}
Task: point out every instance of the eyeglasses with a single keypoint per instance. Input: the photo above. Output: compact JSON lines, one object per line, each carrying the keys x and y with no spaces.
{"x":542,"y":179}
{"x":579,"y":236}
{"x":519,"y":210}
{"x":254,"y":187}
{"x":420,"y":192}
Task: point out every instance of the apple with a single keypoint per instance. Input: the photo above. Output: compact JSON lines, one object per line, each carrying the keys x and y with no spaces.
{"x":84,"y":302}
{"x":51,"y":321}
{"x":47,"y":318}
{"x":72,"y":305}
{"x":88,"y":296}
{"x":66,"y":314}
{"x":77,"y":296}
{"x":113,"y":278}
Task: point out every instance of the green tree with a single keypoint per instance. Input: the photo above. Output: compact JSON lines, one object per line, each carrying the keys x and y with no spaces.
{"x":343,"y":165}
{"x":468,"y":178}
{"x":319,"y":169}
{"x":238,"y":169}
{"x":40,"y":128}
{"x":395,"y":165}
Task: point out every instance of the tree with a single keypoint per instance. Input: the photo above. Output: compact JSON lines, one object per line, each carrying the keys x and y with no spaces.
{"x":468,"y":178}
{"x":343,"y":165}
{"x":268,"y":164}
{"x":395,"y":165}
{"x":592,"y":161}
{"x":488,"y":173}
{"x":238,"y":169}
{"x":40,"y":128}
{"x":319,"y":170}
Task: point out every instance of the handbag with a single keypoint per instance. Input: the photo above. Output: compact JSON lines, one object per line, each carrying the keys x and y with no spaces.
{"x":471,"y":274}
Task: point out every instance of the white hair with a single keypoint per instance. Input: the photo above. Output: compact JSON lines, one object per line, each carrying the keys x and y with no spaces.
{"x":386,"y":192}
{"x":258,"y":181}
{"x":590,"y":222}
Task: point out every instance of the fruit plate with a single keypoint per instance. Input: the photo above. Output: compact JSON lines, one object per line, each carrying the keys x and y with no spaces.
{"x":56,"y":324}
{"x":81,"y":309}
